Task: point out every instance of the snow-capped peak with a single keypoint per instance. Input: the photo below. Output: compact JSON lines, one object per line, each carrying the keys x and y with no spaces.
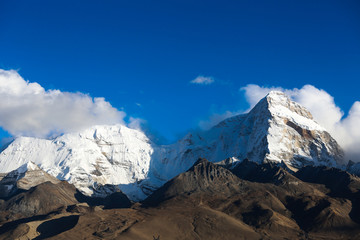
{"x":276,"y":129}
{"x":281,"y":105}
{"x":283,"y":130}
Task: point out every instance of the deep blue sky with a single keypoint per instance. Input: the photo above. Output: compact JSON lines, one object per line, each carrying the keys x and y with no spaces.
{"x":147,"y":52}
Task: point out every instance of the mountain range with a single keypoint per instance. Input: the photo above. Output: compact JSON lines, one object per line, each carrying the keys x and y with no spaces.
{"x":275,"y":130}
{"x":271,"y":173}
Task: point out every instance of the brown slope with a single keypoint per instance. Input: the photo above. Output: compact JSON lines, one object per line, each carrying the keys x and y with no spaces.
{"x":49,"y":209}
{"x":212,"y":186}
{"x":39,"y":200}
{"x":177,"y":222}
{"x":202,"y":177}
{"x":275,"y":202}
{"x":48,"y":197}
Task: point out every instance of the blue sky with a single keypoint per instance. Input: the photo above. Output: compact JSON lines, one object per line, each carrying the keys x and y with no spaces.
{"x":141,"y":55}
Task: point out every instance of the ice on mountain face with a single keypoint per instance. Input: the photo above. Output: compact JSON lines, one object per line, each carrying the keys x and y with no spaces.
{"x":276,"y":129}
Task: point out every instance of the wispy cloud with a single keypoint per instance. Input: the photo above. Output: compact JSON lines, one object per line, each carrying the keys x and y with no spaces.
{"x":215,"y":119}
{"x":28,"y":109}
{"x":202,"y":80}
{"x":136,"y":123}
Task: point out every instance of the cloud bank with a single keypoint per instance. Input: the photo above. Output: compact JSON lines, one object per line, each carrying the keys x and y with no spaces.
{"x":345,"y":130}
{"x":201,"y":80}
{"x":27,"y":109}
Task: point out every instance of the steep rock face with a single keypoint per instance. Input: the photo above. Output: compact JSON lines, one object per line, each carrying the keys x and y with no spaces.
{"x":294,"y":137}
{"x":97,"y":159}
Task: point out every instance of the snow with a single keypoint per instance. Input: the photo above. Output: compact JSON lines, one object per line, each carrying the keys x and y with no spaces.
{"x":102,"y":154}
{"x":118,"y":155}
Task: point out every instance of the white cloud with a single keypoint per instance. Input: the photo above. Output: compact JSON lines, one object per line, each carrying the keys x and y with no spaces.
{"x":28,"y":109}
{"x":203,"y":80}
{"x":324,"y":110}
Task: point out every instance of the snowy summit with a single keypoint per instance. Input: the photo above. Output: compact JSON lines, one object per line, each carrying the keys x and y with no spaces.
{"x":276,"y":129}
